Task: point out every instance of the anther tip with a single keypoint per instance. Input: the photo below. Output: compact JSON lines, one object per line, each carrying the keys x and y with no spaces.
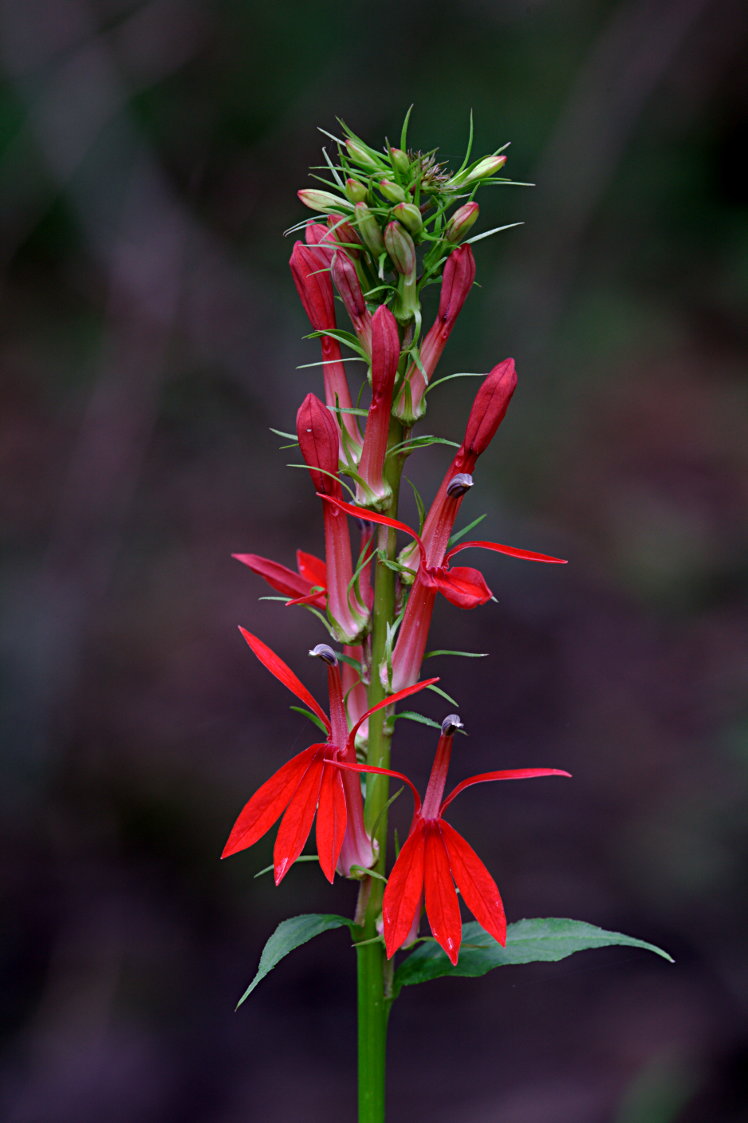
{"x":451,"y":724}
{"x":324,"y":652}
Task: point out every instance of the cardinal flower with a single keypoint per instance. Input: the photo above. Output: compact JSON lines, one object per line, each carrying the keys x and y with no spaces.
{"x":311,"y":782}
{"x":435,"y":858}
{"x":461,"y":585}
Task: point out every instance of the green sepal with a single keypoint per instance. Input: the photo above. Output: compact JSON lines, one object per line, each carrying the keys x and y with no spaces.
{"x":291,"y":934}
{"x":527,"y":941}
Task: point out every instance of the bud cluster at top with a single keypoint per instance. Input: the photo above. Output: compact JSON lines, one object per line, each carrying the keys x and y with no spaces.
{"x":399,"y":212}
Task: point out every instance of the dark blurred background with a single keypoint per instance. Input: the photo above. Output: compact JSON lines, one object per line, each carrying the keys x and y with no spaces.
{"x":149,"y":157}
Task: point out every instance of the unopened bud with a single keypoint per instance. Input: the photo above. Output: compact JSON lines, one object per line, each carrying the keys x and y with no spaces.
{"x":410,"y":216}
{"x":362,"y":156}
{"x":399,"y":246}
{"x":461,"y":221}
{"x":369,"y":229}
{"x":355,"y":190}
{"x":490,"y":406}
{"x":322,"y":200}
{"x":319,"y":440}
{"x":400,"y":161}
{"x":459,"y":485}
{"x":324,"y":652}
{"x":345,"y":234}
{"x":391,"y":191}
{"x":482,"y":170}
{"x":451,"y":724}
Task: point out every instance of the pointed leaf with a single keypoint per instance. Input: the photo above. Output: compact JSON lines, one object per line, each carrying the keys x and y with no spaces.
{"x":528,"y":941}
{"x":291,"y":934}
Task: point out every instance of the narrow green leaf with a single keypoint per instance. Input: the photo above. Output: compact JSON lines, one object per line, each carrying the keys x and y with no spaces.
{"x":488,"y":233}
{"x":528,"y":941}
{"x":443,"y":651}
{"x":438,"y":690}
{"x":404,"y":130}
{"x":312,"y":717}
{"x":291,"y":934}
{"x":466,"y":530}
{"x":411,"y":715}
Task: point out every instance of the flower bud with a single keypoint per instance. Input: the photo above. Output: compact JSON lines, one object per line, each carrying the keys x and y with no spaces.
{"x":313,"y":285}
{"x":344,"y":234}
{"x":461,"y":221}
{"x":489,"y":408}
{"x":457,"y":281}
{"x":391,"y":191}
{"x":410,"y":216}
{"x":399,"y":246}
{"x":362,"y":156}
{"x":322,"y":200}
{"x":400,"y":161}
{"x":369,"y":229}
{"x":355,"y":190}
{"x":348,"y":285}
{"x":482,"y":170}
{"x":319,"y":440}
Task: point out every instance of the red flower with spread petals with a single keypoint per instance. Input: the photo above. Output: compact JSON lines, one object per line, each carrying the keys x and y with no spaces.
{"x":311,"y":782}
{"x":461,"y":585}
{"x":435,"y":858}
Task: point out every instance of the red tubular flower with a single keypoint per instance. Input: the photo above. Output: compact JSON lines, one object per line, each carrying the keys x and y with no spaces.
{"x":461,"y":585}
{"x":372,"y":489}
{"x":311,"y":782}
{"x":319,"y":441}
{"x":435,"y":858}
{"x":310,"y":271}
{"x":305,"y":585}
{"x":457,"y":280}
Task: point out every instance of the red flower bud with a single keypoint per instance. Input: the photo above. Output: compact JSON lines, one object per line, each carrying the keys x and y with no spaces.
{"x":489,"y":408}
{"x":313,"y":285}
{"x":319,"y":439}
{"x":348,"y":285}
{"x":457,"y":281}
{"x":385,"y":355}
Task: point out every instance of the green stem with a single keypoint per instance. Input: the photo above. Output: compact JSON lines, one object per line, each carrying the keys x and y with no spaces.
{"x":374,"y":971}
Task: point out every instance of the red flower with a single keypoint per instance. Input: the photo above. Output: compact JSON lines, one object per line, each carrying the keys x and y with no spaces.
{"x":372,"y":489}
{"x":461,"y":585}
{"x":435,"y":858}
{"x":311,"y":782}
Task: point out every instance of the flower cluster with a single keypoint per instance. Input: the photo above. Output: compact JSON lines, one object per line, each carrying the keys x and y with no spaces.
{"x":395,"y":223}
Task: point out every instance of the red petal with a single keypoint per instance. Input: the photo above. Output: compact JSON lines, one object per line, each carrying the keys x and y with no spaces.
{"x":284,"y":674}
{"x":332,"y":816}
{"x":278,"y":576}
{"x":404,"y":892}
{"x":479,"y":890}
{"x":463,"y":586}
{"x":390,"y":700}
{"x":372,"y":517}
{"x":383,"y":772}
{"x":512,"y":551}
{"x":297,"y":821}
{"x":511,"y":774}
{"x":311,"y":568}
{"x":268,"y":803}
{"x":442,"y":907}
